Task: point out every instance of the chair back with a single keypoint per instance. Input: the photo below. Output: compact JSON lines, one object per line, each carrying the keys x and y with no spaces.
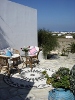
{"x":16,"y":51}
{"x":33,"y":50}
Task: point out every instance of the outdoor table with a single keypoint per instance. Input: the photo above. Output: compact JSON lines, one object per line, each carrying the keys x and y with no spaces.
{"x":5,"y":60}
{"x":4,"y":57}
{"x":13,"y":58}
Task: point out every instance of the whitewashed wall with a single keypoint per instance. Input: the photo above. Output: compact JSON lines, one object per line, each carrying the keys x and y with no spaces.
{"x":18,"y":25}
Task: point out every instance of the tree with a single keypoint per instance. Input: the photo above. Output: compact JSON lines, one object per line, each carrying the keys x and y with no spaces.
{"x":47,"y":41}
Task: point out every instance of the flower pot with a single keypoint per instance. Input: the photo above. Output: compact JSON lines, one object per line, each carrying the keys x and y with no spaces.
{"x":52,"y":56}
{"x":60,"y":94}
{"x":26,"y":53}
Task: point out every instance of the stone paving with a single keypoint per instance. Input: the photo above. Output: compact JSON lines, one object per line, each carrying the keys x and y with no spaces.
{"x":11,"y":93}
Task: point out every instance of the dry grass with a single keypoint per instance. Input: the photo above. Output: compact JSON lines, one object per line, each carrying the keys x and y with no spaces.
{"x":64,"y":43}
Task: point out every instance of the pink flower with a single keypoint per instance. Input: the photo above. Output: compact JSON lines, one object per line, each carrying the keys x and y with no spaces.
{"x":58,"y":77}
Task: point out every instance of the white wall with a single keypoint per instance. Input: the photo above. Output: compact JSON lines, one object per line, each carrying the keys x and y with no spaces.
{"x":18,"y":24}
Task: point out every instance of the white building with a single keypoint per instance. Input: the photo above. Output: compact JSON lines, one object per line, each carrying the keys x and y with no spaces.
{"x":18,"y":25}
{"x":69,"y":37}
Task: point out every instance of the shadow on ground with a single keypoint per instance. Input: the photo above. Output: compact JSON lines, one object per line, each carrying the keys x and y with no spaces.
{"x":8,"y":92}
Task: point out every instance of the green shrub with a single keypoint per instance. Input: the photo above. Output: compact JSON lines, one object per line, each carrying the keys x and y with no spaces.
{"x":48,"y":81}
{"x":64,"y":52}
{"x":44,"y":72}
{"x":47,"y":41}
{"x":60,"y":79}
{"x":72,"y":47}
{"x":72,"y":79}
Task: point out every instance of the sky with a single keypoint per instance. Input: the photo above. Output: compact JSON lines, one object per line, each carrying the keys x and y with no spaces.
{"x":53,"y":15}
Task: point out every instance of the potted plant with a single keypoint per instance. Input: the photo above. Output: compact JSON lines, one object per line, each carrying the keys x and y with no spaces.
{"x":60,"y":79}
{"x":72,"y":80}
{"x":25,"y":50}
{"x":61,"y":83}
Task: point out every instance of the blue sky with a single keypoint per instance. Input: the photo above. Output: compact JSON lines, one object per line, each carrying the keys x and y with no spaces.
{"x":53,"y":15}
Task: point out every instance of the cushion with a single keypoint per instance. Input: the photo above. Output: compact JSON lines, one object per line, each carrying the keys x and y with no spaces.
{"x":33,"y":51}
{"x":8,"y":53}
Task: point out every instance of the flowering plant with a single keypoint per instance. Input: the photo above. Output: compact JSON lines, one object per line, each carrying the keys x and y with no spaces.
{"x":25,"y":49}
{"x":60,"y":79}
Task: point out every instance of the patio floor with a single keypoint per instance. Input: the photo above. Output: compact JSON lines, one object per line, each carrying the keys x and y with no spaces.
{"x":8,"y":92}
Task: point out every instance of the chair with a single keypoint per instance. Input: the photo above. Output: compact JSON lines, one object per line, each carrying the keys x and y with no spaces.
{"x":16,"y":57}
{"x":11,"y":67}
{"x":32,"y":57}
{"x":4,"y":65}
{"x":34,"y":50}
{"x":13,"y":60}
{"x":16,"y":51}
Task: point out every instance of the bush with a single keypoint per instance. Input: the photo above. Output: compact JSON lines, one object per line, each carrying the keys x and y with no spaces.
{"x":72,"y":47}
{"x":74,"y":35}
{"x":72,"y":79}
{"x":60,"y":79}
{"x":48,"y":81}
{"x":64,"y":52}
{"x":47,"y":41}
{"x":44,"y":72}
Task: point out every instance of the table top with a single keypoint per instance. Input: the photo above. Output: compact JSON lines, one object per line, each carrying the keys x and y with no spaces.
{"x":4,"y":56}
{"x":14,"y":56}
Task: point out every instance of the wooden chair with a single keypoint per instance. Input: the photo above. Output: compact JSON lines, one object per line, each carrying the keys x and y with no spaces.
{"x":32,"y":57}
{"x":11,"y":67}
{"x":16,"y":51}
{"x":16,"y":57}
{"x":4,"y":63}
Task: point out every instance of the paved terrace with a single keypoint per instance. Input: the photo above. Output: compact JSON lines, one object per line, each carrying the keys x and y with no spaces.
{"x":11,"y":93}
